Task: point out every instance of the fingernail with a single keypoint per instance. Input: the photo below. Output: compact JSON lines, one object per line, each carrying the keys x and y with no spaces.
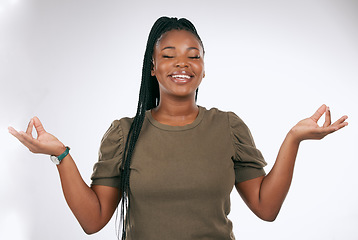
{"x":328,"y":108}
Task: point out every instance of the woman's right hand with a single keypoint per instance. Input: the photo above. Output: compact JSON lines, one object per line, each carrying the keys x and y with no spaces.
{"x":45,"y":142}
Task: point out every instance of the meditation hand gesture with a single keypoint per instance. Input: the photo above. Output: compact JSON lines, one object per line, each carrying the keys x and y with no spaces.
{"x":44,"y":143}
{"x":309,"y":129}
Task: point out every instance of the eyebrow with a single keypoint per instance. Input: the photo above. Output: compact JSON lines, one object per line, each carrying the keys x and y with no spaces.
{"x":189,"y":48}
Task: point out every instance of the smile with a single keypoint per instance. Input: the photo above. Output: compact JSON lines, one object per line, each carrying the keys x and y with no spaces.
{"x":180,"y":78}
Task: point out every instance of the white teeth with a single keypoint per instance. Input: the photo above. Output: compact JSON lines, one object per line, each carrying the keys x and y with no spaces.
{"x":181,"y":76}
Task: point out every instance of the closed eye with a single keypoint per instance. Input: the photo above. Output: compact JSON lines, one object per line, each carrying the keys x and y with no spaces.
{"x":195,"y":57}
{"x":167,"y":56}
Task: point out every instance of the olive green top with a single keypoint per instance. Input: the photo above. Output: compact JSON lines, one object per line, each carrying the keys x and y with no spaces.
{"x":181,"y":176}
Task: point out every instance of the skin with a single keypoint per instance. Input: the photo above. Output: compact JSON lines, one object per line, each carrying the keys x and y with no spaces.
{"x":178,"y":51}
{"x":92,"y":206}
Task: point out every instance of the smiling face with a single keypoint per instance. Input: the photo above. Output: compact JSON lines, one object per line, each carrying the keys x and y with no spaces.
{"x":178,"y":64}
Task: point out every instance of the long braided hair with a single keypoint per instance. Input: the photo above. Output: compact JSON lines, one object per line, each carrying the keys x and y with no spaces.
{"x":148,"y":99}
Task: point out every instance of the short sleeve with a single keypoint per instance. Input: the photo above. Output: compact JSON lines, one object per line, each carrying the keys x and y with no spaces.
{"x":107,"y":170}
{"x":248,"y":160}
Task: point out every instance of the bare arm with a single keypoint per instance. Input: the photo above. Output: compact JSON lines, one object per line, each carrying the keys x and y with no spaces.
{"x":92,"y":206}
{"x":265,"y":195}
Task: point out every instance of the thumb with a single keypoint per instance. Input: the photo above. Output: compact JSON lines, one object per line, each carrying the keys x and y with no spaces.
{"x":38,"y":126}
{"x":318,"y":114}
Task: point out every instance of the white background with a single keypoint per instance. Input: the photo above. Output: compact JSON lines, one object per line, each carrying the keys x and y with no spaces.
{"x":77,"y":64}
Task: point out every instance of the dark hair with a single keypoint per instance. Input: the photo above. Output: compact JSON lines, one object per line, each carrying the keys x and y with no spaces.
{"x":148,"y":99}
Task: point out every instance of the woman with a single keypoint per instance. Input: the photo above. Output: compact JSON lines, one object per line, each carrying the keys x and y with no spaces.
{"x":175,"y":163}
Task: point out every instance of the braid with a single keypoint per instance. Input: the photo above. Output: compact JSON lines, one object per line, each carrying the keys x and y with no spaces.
{"x":148,"y":99}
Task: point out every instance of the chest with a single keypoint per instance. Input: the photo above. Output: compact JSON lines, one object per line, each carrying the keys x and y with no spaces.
{"x":182,"y":164}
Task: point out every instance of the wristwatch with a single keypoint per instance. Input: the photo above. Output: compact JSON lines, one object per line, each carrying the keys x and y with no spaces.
{"x":57,"y":160}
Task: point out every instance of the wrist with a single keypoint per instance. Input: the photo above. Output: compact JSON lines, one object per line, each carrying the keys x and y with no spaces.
{"x":293,"y":136}
{"x":58,"y":151}
{"x":57,"y":159}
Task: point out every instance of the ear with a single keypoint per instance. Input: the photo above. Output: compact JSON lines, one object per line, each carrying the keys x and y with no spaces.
{"x":204,"y":74}
{"x":152,"y":71}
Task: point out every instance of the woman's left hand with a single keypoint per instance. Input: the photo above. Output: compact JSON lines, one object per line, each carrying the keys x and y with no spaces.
{"x":264,"y":195}
{"x":309,"y":129}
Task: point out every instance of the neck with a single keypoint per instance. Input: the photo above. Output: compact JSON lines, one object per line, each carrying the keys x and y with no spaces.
{"x":176,"y":113}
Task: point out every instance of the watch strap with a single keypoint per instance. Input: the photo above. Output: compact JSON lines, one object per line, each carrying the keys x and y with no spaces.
{"x":64,"y":154}
{"x":57,"y":160}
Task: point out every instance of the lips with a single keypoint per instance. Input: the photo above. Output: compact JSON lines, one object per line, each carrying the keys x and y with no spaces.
{"x":181,"y":76}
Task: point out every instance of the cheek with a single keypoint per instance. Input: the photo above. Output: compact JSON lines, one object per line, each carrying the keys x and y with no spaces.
{"x":161,"y":68}
{"x":199,"y":68}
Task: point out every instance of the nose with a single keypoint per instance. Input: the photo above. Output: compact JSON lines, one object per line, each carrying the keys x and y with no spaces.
{"x":182,"y":62}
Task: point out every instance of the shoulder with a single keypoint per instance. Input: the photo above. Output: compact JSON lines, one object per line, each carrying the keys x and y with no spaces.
{"x":215,"y":112}
{"x":229,"y":121}
{"x":117,"y":129}
{"x":125,"y":123}
{"x":229,"y":116}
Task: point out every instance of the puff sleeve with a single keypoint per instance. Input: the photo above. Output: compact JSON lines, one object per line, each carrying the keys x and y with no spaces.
{"x":248,"y":160}
{"x":107,"y":170}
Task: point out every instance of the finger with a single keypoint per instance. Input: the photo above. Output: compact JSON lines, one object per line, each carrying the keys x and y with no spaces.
{"x":324,"y":131}
{"x":340,"y":122}
{"x":13,"y":132}
{"x":38,"y":126}
{"x":26,"y":139}
{"x":19,"y":135}
{"x":327,"y":121}
{"x":341,"y":125}
{"x":332,"y":129}
{"x":318,"y":114}
{"x":30,"y":127}
{"x":22,"y":137}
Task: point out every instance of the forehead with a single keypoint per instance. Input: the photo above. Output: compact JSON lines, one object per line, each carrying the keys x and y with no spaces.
{"x":178,"y":37}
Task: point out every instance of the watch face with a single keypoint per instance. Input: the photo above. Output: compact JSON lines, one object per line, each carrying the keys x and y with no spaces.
{"x":55,"y":160}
